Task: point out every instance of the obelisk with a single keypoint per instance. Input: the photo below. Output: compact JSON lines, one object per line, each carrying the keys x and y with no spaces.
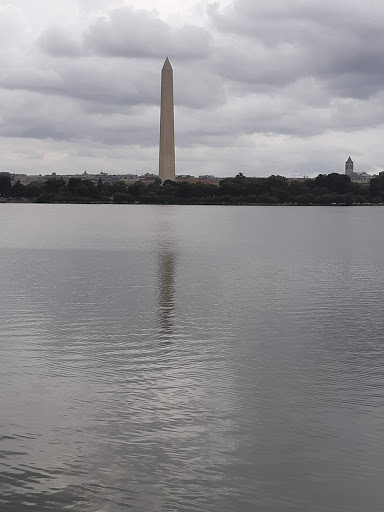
{"x":167,"y":129}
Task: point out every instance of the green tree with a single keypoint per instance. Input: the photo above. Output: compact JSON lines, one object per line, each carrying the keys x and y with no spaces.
{"x":53,"y":185}
{"x":338,"y":183}
{"x":18,"y":190}
{"x":376,"y":188}
{"x":119,"y":186}
{"x":123,"y":198}
{"x":137,"y":189}
{"x":5,"y":184}
{"x":78,"y":187}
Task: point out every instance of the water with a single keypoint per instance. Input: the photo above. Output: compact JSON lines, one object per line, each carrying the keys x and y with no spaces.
{"x":176,"y":358}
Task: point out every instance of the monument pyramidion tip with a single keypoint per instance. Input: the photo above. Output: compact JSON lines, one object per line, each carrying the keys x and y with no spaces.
{"x":167,"y":64}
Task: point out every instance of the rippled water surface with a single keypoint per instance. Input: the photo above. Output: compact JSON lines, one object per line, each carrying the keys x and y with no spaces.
{"x":176,"y":358}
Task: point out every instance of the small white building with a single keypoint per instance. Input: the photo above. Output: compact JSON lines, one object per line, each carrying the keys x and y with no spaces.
{"x":360,"y":177}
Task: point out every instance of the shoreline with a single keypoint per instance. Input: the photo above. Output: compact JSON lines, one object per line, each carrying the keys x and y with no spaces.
{"x":13,"y":201}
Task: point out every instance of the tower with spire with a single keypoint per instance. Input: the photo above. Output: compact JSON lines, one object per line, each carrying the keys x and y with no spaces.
{"x":349,"y":167}
{"x":167,"y":129}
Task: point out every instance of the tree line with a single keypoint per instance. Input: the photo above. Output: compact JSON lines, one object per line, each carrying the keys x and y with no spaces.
{"x":326,"y":189}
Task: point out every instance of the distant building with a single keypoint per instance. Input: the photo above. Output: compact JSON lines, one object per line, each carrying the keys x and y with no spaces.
{"x":200,"y":179}
{"x":128,"y":179}
{"x":363,"y":178}
{"x":26,"y":179}
{"x":349,"y":167}
{"x":304,"y":178}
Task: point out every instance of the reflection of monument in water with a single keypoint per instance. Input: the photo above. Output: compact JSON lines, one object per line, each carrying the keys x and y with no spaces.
{"x":166,"y":256}
{"x":166,"y":283}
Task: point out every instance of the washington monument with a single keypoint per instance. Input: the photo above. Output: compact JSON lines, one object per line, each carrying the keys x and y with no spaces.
{"x":167,"y":129}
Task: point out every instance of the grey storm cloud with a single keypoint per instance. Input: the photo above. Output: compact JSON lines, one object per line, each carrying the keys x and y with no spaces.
{"x":119,"y":83}
{"x":288,"y":72}
{"x":59,"y":43}
{"x":63,"y":120}
{"x":117,"y":61}
{"x":130,"y":33}
{"x":280,"y":42}
{"x":90,"y":80}
{"x":270,"y":47}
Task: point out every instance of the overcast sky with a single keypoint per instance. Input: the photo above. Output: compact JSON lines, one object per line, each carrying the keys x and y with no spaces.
{"x":288,"y":87}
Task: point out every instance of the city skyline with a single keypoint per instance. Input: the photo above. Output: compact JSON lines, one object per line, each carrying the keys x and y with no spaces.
{"x":167,"y":165}
{"x":79,"y":86}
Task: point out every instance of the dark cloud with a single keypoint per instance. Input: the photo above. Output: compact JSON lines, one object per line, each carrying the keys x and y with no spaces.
{"x":117,"y":83}
{"x":58,"y":43}
{"x":280,"y":42}
{"x":80,"y":66}
{"x":131,"y":33}
{"x":64,"y":121}
{"x":262,"y":79}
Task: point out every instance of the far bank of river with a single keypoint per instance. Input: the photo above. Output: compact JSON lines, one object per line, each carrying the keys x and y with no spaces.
{"x":31,"y":201}
{"x":325,"y":190}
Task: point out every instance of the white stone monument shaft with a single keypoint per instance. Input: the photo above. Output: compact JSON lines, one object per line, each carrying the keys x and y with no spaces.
{"x":167,"y":128}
